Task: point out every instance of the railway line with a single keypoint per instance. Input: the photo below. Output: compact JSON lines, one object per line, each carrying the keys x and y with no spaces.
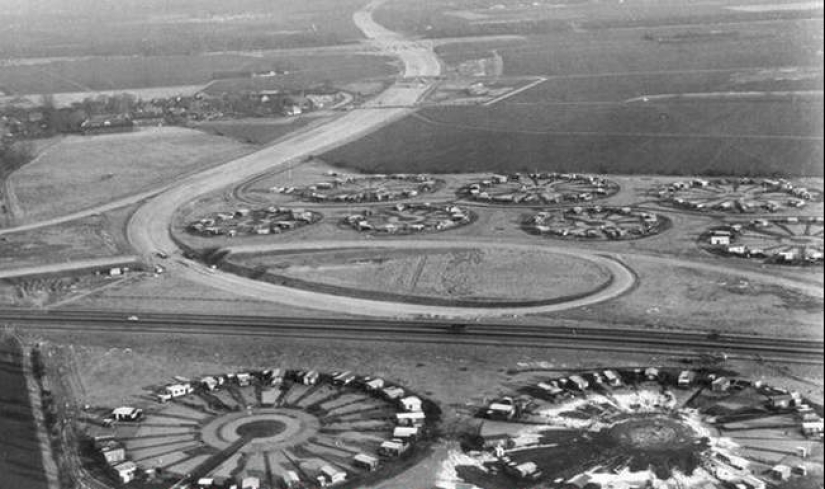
{"x":683,"y":343}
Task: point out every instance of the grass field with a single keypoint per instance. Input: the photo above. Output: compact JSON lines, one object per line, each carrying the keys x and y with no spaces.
{"x":137,"y":72}
{"x":254,"y":131}
{"x":80,"y":171}
{"x":21,"y":464}
{"x":461,"y":274}
{"x":160,"y":27}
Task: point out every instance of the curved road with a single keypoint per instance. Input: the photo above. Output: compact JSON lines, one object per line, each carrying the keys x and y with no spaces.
{"x":149,"y":228}
{"x":623,"y":280}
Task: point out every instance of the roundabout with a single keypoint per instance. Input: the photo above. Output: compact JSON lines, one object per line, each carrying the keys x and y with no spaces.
{"x":539,"y":188}
{"x":737,"y":196}
{"x":595,"y":223}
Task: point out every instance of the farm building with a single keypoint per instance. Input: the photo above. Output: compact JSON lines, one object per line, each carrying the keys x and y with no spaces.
{"x":250,"y":483}
{"x":393,"y":393}
{"x":127,"y":414}
{"x":686,"y":378}
{"x":411,"y":403}
{"x":416,"y":418}
{"x":103,"y":124}
{"x":720,"y":240}
{"x":126,"y":471}
{"x":113,"y":452}
{"x":526,"y":470}
{"x":366,"y":462}
{"x":781,"y":472}
{"x":330,"y":475}
{"x":781,"y":401}
{"x":405,"y":432}
{"x":393,"y":448}
{"x":813,"y":428}
{"x":291,"y":479}
{"x":721,"y":384}
{"x":175,"y":390}
{"x":579,"y":382}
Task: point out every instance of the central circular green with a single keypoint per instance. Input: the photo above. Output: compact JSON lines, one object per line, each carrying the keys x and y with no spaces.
{"x":260,"y":429}
{"x":652,"y":434}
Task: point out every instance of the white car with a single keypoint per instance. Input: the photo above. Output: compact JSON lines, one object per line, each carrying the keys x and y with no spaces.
{"x":133,"y":318}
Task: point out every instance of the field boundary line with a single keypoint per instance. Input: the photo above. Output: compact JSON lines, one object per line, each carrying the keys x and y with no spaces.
{"x":515,"y":92}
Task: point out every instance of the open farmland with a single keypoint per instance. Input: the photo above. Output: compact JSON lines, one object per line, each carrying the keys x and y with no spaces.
{"x":161,"y":27}
{"x":80,"y":172}
{"x":453,"y":275}
{"x":139,"y":72}
{"x":681,"y":138}
{"x":21,"y":464}
{"x":671,"y":88}
{"x":464,"y":18}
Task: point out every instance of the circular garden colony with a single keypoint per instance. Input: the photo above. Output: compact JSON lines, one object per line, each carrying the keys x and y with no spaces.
{"x":743,"y":195}
{"x":371,"y":188}
{"x":789,"y":240}
{"x":410,"y":218}
{"x":244,"y":221}
{"x":271,"y":428}
{"x":539,"y":188}
{"x":596,"y":223}
{"x":643,"y":427}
